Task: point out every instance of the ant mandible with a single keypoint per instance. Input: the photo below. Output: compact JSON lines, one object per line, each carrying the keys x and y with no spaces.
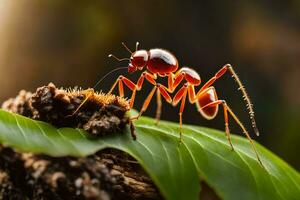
{"x":160,"y":62}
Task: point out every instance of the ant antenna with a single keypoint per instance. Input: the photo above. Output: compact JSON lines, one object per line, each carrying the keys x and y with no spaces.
{"x":119,"y":68}
{"x":118,"y":59}
{"x":136,"y":46}
{"x":126,"y":47}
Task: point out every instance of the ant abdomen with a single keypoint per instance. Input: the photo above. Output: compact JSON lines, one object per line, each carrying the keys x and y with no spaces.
{"x":208,"y":96}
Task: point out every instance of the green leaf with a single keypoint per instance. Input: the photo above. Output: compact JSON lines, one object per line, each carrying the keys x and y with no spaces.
{"x":175,"y":169}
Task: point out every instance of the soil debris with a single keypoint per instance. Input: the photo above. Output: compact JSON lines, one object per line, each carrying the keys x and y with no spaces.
{"x":101,"y":114}
{"x":20,"y":104}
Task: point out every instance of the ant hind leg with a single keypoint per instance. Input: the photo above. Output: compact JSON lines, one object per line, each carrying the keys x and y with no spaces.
{"x":227,"y":131}
{"x":245,"y":132}
{"x":228,"y":109}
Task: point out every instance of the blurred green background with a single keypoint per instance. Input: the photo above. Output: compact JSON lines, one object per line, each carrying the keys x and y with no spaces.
{"x":67,"y":42}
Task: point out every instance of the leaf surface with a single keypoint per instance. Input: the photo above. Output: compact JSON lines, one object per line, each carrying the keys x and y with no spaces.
{"x":175,"y":169}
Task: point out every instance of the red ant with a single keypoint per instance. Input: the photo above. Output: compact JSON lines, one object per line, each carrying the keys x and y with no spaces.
{"x":160,"y":62}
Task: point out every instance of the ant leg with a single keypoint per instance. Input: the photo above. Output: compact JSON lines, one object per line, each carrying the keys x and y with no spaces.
{"x":134,"y":87}
{"x":174,"y":80}
{"x":132,"y":129}
{"x":246,"y":97}
{"x":129,"y":84}
{"x":244,"y":131}
{"x":120,"y":81}
{"x":218,"y":75}
{"x":180,"y":114}
{"x":89,"y":93}
{"x":114,"y":85}
{"x":225,"y":111}
{"x":121,"y":87}
{"x":149,"y":77}
{"x":161,"y":91}
{"x":132,"y":98}
{"x":158,"y":109}
{"x":227,"y":131}
{"x":227,"y":108}
{"x":180,"y":95}
{"x":192,"y":95}
{"x":146,"y":104}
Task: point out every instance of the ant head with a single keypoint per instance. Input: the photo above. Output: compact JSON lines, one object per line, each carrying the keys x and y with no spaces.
{"x":138,"y":60}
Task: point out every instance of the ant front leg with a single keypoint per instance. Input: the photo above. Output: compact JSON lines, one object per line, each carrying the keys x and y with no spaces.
{"x":131,"y":86}
{"x":151,"y":79}
{"x":160,"y":91}
{"x":122,"y":79}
